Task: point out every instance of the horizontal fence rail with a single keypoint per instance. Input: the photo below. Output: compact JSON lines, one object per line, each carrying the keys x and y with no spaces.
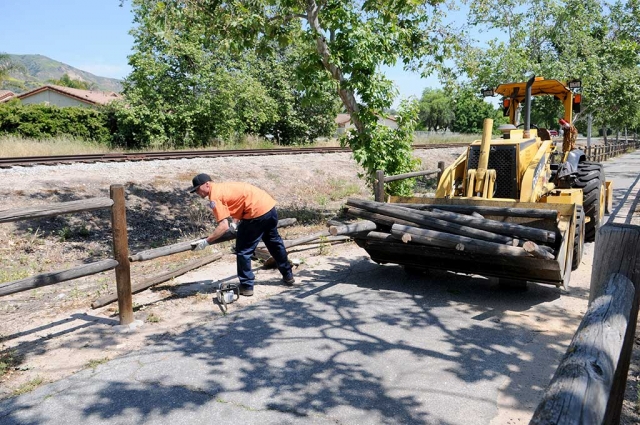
{"x":51,"y":278}
{"x":381,"y":179}
{"x":49,"y":210}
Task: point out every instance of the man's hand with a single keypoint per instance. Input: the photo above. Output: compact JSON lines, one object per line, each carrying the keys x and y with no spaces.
{"x":200,"y":245}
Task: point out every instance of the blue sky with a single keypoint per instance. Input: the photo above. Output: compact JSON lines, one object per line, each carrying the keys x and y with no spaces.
{"x":93,"y":35}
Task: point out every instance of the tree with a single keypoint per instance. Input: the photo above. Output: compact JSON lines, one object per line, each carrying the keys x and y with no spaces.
{"x":470,"y":112}
{"x":67,"y":81}
{"x":192,"y":91}
{"x":593,"y":41}
{"x":435,"y":110}
{"x":343,"y":43}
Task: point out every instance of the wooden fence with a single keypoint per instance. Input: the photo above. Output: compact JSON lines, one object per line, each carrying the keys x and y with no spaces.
{"x":121,"y":259}
{"x":119,"y":262}
{"x":589,"y":384}
{"x":381,"y":179}
{"x":601,"y":153}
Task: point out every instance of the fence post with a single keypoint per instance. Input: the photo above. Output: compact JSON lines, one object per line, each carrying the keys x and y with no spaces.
{"x":378,"y":190}
{"x":121,"y":254}
{"x":440,"y":170}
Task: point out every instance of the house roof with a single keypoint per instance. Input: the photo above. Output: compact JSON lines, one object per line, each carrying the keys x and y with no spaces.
{"x":87,"y":96}
{"x":5,"y":95}
{"x":343,"y":119}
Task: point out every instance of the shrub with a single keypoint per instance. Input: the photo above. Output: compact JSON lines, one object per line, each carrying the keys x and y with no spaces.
{"x":43,"y":121}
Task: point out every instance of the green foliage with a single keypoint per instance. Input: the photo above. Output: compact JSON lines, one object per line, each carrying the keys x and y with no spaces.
{"x":594,"y":41}
{"x":436,"y":110}
{"x":341,"y":44}
{"x":387,"y":149}
{"x":66,"y":81}
{"x":470,"y":112}
{"x":189,"y":90}
{"x":42,"y":121}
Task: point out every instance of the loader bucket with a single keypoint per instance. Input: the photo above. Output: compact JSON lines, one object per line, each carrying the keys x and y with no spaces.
{"x":555,"y":272}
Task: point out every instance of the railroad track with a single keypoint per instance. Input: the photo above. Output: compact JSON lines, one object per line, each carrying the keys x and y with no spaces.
{"x":28,"y":161}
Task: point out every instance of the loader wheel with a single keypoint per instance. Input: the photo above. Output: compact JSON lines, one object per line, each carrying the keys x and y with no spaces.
{"x":591,"y":180}
{"x":578,"y":239}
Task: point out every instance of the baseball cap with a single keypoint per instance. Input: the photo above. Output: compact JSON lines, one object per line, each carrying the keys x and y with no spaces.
{"x":198,"y":181}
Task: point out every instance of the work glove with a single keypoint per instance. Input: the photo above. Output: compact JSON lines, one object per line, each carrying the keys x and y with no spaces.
{"x":200,"y":245}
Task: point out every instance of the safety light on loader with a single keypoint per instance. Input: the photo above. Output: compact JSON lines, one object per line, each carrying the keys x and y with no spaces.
{"x":575,"y":84}
{"x":487,"y":92}
{"x":577,"y":98}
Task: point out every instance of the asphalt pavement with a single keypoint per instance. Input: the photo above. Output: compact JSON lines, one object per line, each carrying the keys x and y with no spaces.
{"x":356,"y":343}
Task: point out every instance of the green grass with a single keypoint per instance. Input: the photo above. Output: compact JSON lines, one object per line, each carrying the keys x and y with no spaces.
{"x":95,"y":363}
{"x":29,"y":386}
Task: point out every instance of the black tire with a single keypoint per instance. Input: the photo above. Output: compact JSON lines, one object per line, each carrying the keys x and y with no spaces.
{"x":578,"y":239}
{"x":590,"y":178}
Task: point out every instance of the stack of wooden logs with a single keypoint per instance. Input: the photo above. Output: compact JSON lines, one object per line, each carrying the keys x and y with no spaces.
{"x":458,"y":227}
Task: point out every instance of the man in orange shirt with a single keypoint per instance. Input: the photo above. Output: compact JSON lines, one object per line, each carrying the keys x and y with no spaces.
{"x":256,"y":211}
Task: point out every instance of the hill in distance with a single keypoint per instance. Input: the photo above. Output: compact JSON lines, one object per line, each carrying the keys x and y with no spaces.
{"x":35,"y":70}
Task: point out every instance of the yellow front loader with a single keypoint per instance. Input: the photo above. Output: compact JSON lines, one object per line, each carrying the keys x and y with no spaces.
{"x":523,"y":169}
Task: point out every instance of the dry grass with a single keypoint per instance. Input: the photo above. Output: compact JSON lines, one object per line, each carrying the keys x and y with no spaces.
{"x":11,"y":146}
{"x":16,"y":146}
{"x":424,"y":137}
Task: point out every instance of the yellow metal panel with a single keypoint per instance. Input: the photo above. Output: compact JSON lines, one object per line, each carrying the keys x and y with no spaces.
{"x":563,"y":196}
{"x":535,"y":176}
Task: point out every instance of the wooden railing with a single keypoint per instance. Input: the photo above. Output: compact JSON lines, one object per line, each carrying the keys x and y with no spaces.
{"x":601,"y":153}
{"x":589,"y":384}
{"x":381,"y":179}
{"x":119,"y":262}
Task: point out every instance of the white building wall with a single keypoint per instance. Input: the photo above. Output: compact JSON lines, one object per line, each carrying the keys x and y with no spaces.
{"x":49,"y":97}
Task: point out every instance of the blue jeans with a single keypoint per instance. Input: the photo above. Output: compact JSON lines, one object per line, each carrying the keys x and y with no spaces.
{"x":250,"y":232}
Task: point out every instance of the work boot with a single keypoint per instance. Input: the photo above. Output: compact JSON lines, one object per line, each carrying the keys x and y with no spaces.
{"x":246,"y":290}
{"x":289,"y":280}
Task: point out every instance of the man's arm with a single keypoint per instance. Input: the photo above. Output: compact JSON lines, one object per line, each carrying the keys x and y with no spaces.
{"x":221,"y":229}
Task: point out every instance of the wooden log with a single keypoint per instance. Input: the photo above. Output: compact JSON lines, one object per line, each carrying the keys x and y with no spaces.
{"x":287,"y":222}
{"x":163,"y":251}
{"x":380,"y":236}
{"x":486,"y":210}
{"x":421,"y":173}
{"x":616,"y":251}
{"x":349,"y":229}
{"x":53,"y":209}
{"x":121,"y":254}
{"x":579,"y":392}
{"x":378,"y":188}
{"x":535,"y":250}
{"x":447,"y":240}
{"x":426,"y":219}
{"x":476,"y":215}
{"x":381,"y":219}
{"x":508,"y":229}
{"x":52,"y":278}
{"x":155,"y":280}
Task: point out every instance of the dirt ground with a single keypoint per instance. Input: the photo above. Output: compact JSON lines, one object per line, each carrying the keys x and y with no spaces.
{"x":52,"y":332}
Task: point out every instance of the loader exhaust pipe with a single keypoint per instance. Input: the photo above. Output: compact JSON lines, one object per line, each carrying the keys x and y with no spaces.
{"x":527,"y":108}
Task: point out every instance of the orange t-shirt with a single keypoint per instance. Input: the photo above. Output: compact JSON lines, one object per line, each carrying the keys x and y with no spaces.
{"x":241,"y":201}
